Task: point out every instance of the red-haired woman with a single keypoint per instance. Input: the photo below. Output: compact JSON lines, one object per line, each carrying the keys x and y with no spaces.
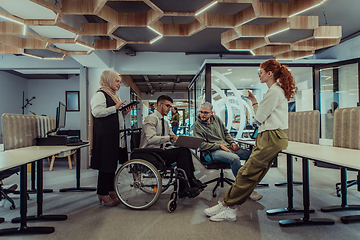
{"x":271,"y":114}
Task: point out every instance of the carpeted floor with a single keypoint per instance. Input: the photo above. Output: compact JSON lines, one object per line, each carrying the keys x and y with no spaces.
{"x":88,"y":220}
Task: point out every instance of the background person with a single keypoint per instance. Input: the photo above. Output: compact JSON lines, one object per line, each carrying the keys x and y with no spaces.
{"x":107,"y":145}
{"x":272,"y":117}
{"x":175,"y":119}
{"x":152,"y":108}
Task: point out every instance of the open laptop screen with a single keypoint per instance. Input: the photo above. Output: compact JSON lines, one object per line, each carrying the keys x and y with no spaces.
{"x":253,"y":136}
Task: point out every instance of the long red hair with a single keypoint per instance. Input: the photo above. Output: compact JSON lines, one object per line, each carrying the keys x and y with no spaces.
{"x":282,"y":74}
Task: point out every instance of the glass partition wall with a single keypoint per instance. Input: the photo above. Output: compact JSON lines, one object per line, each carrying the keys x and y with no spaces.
{"x":322,"y":87}
{"x":339,"y":88}
{"x":226,"y":84}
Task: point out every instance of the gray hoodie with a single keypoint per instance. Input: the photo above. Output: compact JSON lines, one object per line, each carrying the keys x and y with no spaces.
{"x":213,"y":133}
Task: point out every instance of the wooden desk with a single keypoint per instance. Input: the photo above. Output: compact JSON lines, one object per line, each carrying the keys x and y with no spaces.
{"x":21,"y":157}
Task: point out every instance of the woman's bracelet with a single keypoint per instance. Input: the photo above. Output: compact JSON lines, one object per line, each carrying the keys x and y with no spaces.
{"x":254,"y":104}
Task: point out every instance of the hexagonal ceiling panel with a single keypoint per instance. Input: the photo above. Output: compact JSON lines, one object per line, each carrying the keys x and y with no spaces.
{"x":202,"y":26}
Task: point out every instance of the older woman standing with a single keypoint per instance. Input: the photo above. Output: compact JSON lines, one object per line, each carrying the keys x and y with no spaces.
{"x":107,"y":144}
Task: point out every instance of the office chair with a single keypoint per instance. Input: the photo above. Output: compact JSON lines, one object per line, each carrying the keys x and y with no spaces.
{"x":71,"y":154}
{"x":4,"y":192}
{"x":52,"y":162}
{"x":218,"y":166}
{"x":349,"y":183}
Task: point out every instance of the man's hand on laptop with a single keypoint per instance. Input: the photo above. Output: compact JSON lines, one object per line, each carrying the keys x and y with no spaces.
{"x":173,"y":137}
{"x":234,"y":146}
{"x":224,"y":148}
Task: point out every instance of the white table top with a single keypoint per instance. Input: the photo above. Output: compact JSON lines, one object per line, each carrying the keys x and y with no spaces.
{"x":345,"y":157}
{"x":16,"y":157}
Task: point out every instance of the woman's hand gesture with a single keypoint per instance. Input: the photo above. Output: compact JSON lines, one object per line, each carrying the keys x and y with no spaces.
{"x":119,"y":104}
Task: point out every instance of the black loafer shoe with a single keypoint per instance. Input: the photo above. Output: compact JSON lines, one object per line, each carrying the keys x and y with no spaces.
{"x":194,"y":192}
{"x":199,"y":184}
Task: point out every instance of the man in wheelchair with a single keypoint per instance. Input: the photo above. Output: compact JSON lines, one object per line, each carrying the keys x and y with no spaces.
{"x":156,"y":133}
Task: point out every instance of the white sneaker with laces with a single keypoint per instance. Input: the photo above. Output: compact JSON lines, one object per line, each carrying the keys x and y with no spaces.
{"x":214,"y":210}
{"x":227,"y":215}
{"x":255,"y":196}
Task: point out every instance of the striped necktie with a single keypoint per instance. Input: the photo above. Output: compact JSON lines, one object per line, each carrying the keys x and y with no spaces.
{"x":162,"y":130}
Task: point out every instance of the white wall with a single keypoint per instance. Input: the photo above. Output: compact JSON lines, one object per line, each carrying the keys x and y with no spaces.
{"x":159,"y":63}
{"x":11,"y":95}
{"x":49,"y":92}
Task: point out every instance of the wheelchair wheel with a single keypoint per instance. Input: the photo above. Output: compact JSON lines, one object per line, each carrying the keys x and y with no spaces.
{"x":138,"y":184}
{"x":171,"y":206}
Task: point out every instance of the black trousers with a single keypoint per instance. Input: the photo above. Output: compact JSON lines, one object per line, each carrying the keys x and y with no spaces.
{"x":183,"y":158}
{"x":105,"y":183}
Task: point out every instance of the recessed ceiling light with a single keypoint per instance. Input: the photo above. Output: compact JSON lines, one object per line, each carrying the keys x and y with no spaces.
{"x":212,"y":4}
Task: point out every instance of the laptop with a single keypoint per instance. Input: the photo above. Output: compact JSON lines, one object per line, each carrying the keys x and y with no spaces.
{"x":250,"y":136}
{"x":188,"y":142}
{"x":253,"y":136}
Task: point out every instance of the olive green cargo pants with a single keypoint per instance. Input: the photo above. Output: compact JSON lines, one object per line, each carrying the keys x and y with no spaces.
{"x":267,"y":146}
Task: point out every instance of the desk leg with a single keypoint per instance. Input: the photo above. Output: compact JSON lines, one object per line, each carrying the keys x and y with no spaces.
{"x":306,"y":201}
{"x":290,"y":191}
{"x":344,"y":206}
{"x":77,"y":188}
{"x":33,"y":178}
{"x":278,"y":184}
{"x":23,"y":210}
{"x":40,"y":198}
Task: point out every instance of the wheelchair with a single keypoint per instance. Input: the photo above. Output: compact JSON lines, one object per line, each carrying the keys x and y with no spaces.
{"x":140,"y":181}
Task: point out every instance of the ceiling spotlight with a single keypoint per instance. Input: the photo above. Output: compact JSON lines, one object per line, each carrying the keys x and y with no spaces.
{"x":308,"y":8}
{"x":209,"y":6}
{"x":277,"y":32}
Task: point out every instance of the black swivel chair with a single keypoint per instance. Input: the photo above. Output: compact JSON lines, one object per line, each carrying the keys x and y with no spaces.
{"x":4,"y":192}
{"x":218,"y":166}
{"x":349,"y":183}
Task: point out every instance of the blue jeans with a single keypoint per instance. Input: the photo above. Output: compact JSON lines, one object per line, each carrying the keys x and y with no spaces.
{"x":174,"y":129}
{"x":232,"y":158}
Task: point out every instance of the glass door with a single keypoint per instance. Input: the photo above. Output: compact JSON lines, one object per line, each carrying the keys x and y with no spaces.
{"x":339,"y":88}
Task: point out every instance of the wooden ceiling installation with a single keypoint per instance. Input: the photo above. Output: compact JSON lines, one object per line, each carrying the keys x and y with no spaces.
{"x":241,"y":36}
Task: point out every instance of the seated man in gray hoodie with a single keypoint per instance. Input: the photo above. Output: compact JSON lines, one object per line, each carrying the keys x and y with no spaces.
{"x":218,"y":141}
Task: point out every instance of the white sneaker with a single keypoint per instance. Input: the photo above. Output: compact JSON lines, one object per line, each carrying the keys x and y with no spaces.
{"x":214,"y":210}
{"x":255,"y":196}
{"x":227,"y":215}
